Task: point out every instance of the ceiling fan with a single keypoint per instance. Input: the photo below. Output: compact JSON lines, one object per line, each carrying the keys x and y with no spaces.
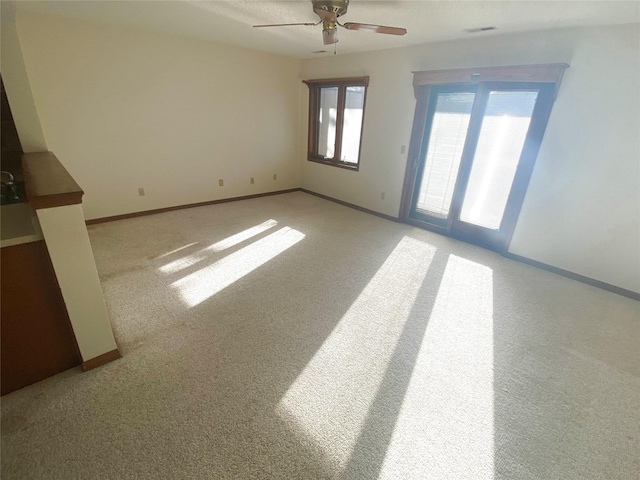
{"x":329,"y":11}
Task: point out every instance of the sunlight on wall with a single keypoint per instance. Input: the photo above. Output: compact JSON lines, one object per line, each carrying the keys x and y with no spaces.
{"x":447,"y":411}
{"x":228,"y":242}
{"x":342,"y":379}
{"x":206,"y":282}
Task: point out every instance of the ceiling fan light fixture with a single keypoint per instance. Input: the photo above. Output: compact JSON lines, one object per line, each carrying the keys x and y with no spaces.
{"x":330,"y":36}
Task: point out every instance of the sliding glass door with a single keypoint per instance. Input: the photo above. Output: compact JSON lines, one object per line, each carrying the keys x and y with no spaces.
{"x":476,"y":154}
{"x":448,"y":121}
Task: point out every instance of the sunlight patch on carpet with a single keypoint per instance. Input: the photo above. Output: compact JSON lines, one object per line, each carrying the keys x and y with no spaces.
{"x":176,"y":250}
{"x":330,"y":399}
{"x":189,"y":260}
{"x":206,"y":282}
{"x":446,"y":418}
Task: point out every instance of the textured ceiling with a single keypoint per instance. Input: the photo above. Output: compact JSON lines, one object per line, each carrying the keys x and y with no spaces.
{"x":230,"y":21}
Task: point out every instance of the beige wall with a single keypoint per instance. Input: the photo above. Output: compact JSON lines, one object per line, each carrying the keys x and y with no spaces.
{"x":124,"y":108}
{"x":16,"y":82}
{"x":581,"y":212}
{"x":65,"y":234}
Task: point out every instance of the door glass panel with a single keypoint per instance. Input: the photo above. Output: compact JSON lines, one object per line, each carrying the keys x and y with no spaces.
{"x":328,"y":110}
{"x":352,"y":124}
{"x":445,"y":145}
{"x":502,"y":135}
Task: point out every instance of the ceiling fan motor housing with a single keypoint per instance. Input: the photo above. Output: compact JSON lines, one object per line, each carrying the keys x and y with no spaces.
{"x":339,"y":7}
{"x":328,"y":11}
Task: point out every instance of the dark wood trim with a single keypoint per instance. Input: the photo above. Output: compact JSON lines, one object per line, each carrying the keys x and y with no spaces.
{"x":36,"y":336}
{"x":526,"y":163}
{"x":337,"y":148}
{"x":47,"y":183}
{"x":546,"y":73}
{"x":364,"y":114}
{"x":346,"y":166}
{"x":415,"y":149}
{"x":189,"y":205}
{"x":559,"y":271}
{"x":432,"y":227}
{"x":500,"y":238}
{"x":574,"y":276}
{"x":101,"y":360}
{"x":351,"y":205}
{"x":534,"y":263}
{"x":468,"y":153}
{"x":329,"y":82}
{"x":312,"y":134}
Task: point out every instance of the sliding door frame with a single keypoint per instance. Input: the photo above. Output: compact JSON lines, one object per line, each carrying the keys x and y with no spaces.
{"x":531,"y":76}
{"x":424,"y":145}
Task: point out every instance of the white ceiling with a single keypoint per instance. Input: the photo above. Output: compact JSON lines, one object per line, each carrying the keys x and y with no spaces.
{"x":230,"y":21}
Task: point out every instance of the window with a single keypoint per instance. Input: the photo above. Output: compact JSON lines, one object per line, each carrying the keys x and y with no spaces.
{"x":336,"y":113}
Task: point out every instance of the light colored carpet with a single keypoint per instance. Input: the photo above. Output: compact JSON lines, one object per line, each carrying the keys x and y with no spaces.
{"x":288,"y":337}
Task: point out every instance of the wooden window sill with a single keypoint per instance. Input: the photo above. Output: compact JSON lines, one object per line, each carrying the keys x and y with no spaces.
{"x":331,"y":163}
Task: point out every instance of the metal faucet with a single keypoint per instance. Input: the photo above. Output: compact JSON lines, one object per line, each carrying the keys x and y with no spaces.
{"x":9,"y":188}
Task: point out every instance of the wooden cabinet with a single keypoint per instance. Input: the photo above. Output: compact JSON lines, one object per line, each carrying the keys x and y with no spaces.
{"x":37,"y":339}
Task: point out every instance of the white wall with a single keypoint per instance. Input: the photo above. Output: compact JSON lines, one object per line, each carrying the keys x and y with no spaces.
{"x":16,"y":82}
{"x":124,"y":108}
{"x":581,"y":212}
{"x":65,"y":234}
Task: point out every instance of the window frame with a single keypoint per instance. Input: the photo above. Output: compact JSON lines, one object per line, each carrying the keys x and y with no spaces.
{"x":312,"y":137}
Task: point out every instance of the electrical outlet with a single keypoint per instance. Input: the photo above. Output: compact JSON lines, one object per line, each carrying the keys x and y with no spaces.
{"x":141,"y":192}
{"x":275,"y":176}
{"x":403,"y":148}
{"x":382,"y":195}
{"x":221,"y":183}
{"x":252,"y":181}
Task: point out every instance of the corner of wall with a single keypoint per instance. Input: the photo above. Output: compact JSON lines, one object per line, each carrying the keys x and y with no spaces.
{"x":16,"y":82}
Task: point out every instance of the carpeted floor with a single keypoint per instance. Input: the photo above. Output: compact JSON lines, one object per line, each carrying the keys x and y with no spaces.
{"x":289,"y":337}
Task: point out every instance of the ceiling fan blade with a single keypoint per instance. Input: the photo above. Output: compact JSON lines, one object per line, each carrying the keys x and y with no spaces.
{"x":326,"y":15}
{"x":287,"y":24}
{"x":375,"y":28}
{"x":329,"y":37}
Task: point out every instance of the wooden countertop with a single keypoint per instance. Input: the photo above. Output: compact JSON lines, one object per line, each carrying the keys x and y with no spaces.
{"x":47,"y":182}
